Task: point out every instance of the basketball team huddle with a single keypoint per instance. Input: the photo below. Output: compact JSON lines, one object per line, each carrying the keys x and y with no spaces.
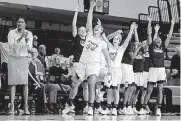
{"x":110,"y":65}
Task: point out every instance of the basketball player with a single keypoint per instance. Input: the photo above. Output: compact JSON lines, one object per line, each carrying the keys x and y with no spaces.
{"x":116,"y":53}
{"x":79,"y":41}
{"x":157,"y":70}
{"x":89,"y":63}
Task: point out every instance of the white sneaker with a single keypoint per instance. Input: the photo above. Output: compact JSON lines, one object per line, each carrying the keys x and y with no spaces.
{"x":109,"y":112}
{"x":135,"y":111}
{"x":103,"y":112}
{"x":72,"y":111}
{"x":125,"y":112}
{"x":100,"y":94}
{"x":98,"y":111}
{"x":130,"y":110}
{"x":114,"y":112}
{"x":148,"y":110}
{"x":106,"y":112}
{"x":158,"y":112}
{"x":90,"y":111}
{"x":142,"y":112}
{"x":68,"y":109}
{"x":120,"y":112}
{"x":85,"y":110}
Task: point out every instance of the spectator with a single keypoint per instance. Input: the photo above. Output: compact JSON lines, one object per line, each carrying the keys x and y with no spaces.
{"x":57,"y":52}
{"x":57,"y":75}
{"x":42,"y":55}
{"x":174,"y":77}
{"x":38,"y":72}
{"x":35,"y":42}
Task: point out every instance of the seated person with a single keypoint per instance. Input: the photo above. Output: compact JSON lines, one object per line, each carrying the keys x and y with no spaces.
{"x":38,"y":73}
{"x":174,"y":76}
{"x":58,"y":75}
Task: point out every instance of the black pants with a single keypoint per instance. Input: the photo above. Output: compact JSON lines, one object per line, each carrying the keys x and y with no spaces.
{"x":168,"y":93}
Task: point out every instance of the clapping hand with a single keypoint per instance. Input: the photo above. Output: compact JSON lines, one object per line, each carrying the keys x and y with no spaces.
{"x":25,"y":34}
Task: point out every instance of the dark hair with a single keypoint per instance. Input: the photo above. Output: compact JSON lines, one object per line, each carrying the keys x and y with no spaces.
{"x":21,"y":17}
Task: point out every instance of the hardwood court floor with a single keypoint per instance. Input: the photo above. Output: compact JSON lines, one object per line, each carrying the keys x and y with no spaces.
{"x":88,"y":118}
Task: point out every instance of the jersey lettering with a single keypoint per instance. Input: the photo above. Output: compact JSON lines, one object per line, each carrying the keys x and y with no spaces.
{"x":91,"y":45}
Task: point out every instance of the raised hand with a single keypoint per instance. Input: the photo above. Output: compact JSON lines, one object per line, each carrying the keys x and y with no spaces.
{"x":136,"y":26}
{"x":149,"y":19}
{"x":92,"y":3}
{"x":120,"y":31}
{"x":157,"y":27}
{"x":77,"y":9}
{"x":98,"y":22}
{"x":133,"y":25}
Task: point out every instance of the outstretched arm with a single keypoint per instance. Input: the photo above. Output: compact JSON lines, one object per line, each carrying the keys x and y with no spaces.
{"x":90,"y":16}
{"x":74,"y":22}
{"x":157,"y":27}
{"x":170,"y":33}
{"x":109,"y":37}
{"x":136,"y":33}
{"x":126,"y":42}
{"x":106,"y":40}
{"x":149,"y":31}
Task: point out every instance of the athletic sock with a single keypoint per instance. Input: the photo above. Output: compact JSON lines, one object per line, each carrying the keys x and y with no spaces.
{"x":143,"y":106}
{"x":159,"y":105}
{"x":91,"y":105}
{"x":123,"y":106}
{"x":98,"y":105}
{"x":115,"y":106}
{"x":109,"y":106}
{"x":134,"y":105}
{"x":85,"y":103}
{"x":70,"y":102}
{"x":128,"y":104}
